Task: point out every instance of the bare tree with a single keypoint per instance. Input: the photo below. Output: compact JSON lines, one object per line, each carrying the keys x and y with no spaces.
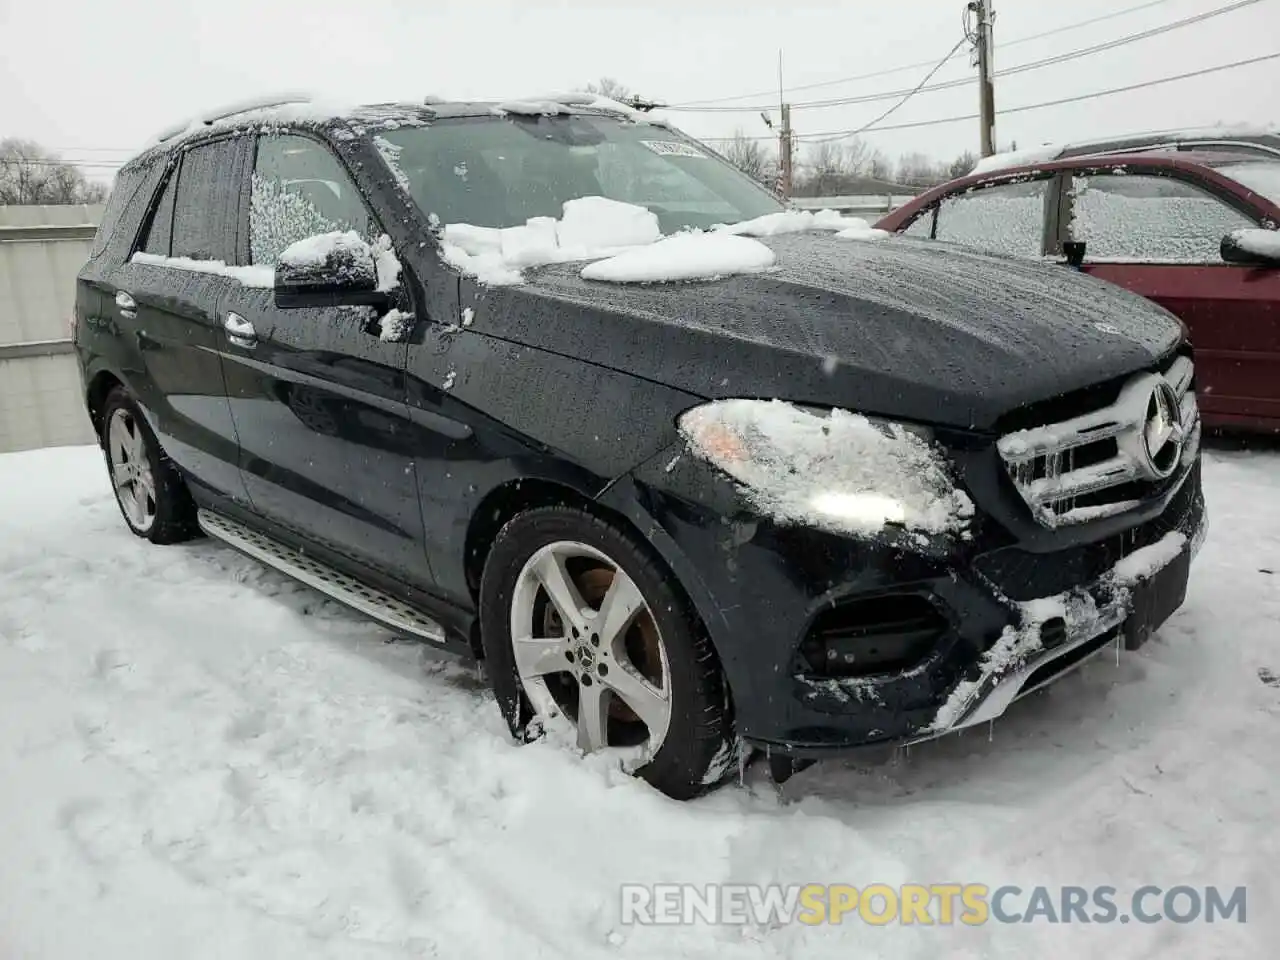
{"x":833,"y":167}
{"x":879,"y":166}
{"x":609,"y":87}
{"x":31,"y":174}
{"x":962,"y":165}
{"x":918,"y":169}
{"x":751,"y":157}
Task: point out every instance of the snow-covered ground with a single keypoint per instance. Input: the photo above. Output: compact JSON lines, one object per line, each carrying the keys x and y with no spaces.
{"x":199,"y":758}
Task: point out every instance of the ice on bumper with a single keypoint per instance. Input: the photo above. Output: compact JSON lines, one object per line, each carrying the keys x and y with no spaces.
{"x":837,"y":471}
{"x":1004,"y":669}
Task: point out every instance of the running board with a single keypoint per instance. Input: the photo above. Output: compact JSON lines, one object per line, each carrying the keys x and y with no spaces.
{"x":373,"y":603}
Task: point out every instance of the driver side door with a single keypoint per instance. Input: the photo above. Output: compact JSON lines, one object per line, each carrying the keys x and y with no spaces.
{"x":318,"y":399}
{"x":1159,"y":235}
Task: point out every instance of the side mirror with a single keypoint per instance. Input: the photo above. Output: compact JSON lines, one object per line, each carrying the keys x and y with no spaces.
{"x":329,"y":269}
{"x":1258,"y":248}
{"x":1074,"y":252}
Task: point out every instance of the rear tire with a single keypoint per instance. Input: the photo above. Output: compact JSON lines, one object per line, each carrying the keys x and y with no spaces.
{"x":152,"y":496}
{"x":696,"y":748}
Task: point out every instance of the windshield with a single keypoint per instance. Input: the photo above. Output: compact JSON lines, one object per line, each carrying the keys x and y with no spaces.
{"x":494,"y":172}
{"x":1260,"y":176}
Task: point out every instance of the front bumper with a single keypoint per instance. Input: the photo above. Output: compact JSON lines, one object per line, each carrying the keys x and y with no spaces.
{"x":1014,"y":620}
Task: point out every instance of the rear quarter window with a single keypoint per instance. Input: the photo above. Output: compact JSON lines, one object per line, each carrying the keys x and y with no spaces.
{"x":122,"y":191}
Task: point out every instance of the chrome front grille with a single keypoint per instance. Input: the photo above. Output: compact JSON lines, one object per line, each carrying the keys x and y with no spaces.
{"x":1108,"y":460}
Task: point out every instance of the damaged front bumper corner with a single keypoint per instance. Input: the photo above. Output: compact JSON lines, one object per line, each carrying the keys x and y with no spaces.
{"x":1058,"y":634}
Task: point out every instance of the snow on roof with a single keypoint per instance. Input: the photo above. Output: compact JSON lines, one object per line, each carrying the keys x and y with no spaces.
{"x":531,"y":108}
{"x":1018,"y":158}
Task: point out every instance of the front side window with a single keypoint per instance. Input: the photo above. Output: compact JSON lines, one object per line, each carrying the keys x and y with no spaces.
{"x":299,"y":190}
{"x":1144,"y":218}
{"x":1004,"y":218}
{"x":500,"y":172}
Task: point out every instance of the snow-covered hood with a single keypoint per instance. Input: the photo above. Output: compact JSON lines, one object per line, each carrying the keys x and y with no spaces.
{"x":918,"y":330}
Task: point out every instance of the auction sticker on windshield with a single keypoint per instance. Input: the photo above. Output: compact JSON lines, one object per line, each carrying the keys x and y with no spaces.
{"x":673,"y":148}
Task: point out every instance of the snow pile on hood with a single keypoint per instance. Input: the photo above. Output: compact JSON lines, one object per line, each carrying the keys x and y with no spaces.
{"x":590,"y":228}
{"x":862,"y":233}
{"x":596,"y":228}
{"x":795,"y":221}
{"x":840,"y":472}
{"x":685,"y":256}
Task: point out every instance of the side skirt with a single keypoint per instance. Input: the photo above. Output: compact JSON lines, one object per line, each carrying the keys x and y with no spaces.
{"x":377,"y":605}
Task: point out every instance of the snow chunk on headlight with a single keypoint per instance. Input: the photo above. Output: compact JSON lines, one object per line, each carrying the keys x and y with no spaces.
{"x":834,"y":469}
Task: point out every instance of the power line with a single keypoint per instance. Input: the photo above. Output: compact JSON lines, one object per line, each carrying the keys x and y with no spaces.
{"x":919,"y":86}
{"x":915,"y":124}
{"x":924,"y":63}
{"x":962,"y":81}
{"x":840,"y":135}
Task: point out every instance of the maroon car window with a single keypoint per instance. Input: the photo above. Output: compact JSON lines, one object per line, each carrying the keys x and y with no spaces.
{"x":1131,"y":218}
{"x":1005,"y":218}
{"x":922,"y":225}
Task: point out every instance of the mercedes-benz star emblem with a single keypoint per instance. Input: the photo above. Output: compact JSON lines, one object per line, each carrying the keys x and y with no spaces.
{"x":1162,"y":433}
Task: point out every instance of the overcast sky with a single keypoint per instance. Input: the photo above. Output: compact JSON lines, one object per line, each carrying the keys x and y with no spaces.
{"x":95,"y":79}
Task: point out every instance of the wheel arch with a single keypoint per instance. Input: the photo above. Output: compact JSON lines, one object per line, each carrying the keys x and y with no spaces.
{"x":97,"y":388}
{"x":620,"y":504}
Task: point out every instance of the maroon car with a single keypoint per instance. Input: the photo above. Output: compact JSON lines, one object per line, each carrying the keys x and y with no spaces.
{"x":1183,"y":229}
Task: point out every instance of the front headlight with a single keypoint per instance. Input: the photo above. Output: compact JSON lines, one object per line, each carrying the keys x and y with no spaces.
{"x":829,"y":468}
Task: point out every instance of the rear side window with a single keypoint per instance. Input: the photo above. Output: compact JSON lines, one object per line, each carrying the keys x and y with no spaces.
{"x":160,"y":230}
{"x":1005,"y":218}
{"x":204,"y":207}
{"x":299,"y":190}
{"x":1141,"y":218}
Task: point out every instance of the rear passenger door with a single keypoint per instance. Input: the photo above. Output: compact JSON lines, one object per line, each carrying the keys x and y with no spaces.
{"x":165,"y":306}
{"x":317,"y":396}
{"x":1159,"y":235}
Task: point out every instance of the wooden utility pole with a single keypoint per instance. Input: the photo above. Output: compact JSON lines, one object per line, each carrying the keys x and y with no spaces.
{"x":785,"y":145}
{"x":986,"y":75}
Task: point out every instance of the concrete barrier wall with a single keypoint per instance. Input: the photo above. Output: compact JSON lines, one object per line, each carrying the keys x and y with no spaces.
{"x":41,"y":251}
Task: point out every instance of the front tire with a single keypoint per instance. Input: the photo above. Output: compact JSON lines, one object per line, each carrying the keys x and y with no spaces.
{"x":151,"y":494}
{"x":579,"y":622}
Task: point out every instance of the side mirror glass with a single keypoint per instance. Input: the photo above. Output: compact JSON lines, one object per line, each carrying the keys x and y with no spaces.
{"x":1258,"y":248}
{"x":328,"y":268}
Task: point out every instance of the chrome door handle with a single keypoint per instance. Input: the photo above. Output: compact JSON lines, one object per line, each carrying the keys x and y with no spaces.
{"x":239,"y":330}
{"x":128,"y":306}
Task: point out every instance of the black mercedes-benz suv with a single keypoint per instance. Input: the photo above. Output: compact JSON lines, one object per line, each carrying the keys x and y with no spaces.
{"x":859,"y":490}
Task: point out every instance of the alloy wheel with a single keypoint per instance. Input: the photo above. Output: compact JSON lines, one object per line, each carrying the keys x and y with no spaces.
{"x":587,"y":648}
{"x":131,"y":475}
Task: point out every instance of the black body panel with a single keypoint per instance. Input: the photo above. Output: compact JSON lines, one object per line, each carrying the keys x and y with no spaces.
{"x":397,"y":461}
{"x":918,"y":331}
